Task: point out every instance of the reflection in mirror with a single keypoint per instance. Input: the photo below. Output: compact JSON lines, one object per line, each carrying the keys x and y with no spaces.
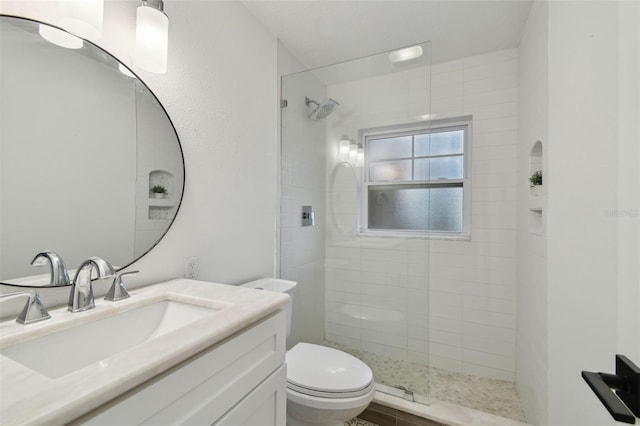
{"x":81,"y":146}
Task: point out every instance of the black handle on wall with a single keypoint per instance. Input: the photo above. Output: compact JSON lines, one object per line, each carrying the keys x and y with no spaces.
{"x":624,"y":404}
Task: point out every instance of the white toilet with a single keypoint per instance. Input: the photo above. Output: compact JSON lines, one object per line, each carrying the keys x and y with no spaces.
{"x":325,"y":386}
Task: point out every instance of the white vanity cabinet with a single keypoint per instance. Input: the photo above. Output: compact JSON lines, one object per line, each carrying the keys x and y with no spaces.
{"x":239,"y":381}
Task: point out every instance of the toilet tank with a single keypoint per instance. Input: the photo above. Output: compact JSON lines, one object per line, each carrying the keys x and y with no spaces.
{"x":279,"y":286}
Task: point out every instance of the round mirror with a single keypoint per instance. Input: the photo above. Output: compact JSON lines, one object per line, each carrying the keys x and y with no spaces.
{"x":90,"y":163}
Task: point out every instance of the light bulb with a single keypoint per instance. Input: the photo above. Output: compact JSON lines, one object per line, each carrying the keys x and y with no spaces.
{"x":59,"y":37}
{"x":405,"y":54}
{"x":152,"y":39}
{"x":343,"y":149}
{"x":353,"y":153}
{"x":82,"y":17}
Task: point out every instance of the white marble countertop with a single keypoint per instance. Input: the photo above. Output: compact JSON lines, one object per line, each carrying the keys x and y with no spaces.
{"x":27,"y":397}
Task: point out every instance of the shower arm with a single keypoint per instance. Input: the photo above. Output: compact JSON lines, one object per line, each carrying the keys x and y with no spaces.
{"x":308,"y":101}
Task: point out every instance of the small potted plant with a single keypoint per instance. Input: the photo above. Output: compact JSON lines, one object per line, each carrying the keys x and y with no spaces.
{"x":536,"y":183}
{"x":159,"y":191}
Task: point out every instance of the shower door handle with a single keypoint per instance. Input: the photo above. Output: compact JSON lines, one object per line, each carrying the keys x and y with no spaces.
{"x":624,"y":404}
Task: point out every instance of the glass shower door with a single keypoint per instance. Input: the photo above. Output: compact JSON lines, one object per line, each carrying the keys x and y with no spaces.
{"x":361,"y":290}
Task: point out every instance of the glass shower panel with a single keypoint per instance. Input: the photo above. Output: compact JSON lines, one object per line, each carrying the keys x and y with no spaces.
{"x":361,"y":292}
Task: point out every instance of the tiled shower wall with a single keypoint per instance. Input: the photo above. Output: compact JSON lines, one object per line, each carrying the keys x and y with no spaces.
{"x":445,"y":302}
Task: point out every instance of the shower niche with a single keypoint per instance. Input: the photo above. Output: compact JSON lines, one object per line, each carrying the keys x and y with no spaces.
{"x":537,"y":192}
{"x":162,"y":208}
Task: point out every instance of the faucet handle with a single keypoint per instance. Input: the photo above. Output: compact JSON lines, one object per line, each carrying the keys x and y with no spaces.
{"x":117,"y":290}
{"x":34,"y":310}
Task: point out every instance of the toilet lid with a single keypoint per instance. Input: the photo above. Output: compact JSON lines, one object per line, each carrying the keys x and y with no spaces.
{"x":325,"y":370}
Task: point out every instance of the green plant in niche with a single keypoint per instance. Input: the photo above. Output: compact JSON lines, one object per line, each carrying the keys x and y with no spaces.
{"x":158,"y":189}
{"x":536,"y":178}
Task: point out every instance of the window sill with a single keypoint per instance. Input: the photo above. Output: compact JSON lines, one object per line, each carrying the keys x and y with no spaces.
{"x":412,"y":235}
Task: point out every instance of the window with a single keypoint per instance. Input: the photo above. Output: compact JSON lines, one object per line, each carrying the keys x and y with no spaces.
{"x":416,"y":181}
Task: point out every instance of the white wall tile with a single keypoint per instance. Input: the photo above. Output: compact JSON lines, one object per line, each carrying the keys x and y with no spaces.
{"x":445,"y":338}
{"x":506,"y":109}
{"x":447,"y":67}
{"x":489,"y":360}
{"x":448,"y":91}
{"x":498,"y":56}
{"x":455,"y":297}
{"x":451,"y":325}
{"x":384,"y":255}
{"x":484,"y":371}
{"x":495,"y":82}
{"x":489,"y":332}
{"x":488,"y":304}
{"x":495,"y":347}
{"x":490,"y":98}
{"x":496,"y":125}
{"x":447,"y":79}
{"x":489,"y":290}
{"x":444,"y":363}
{"x":490,"y":70}
{"x":489,"y":318}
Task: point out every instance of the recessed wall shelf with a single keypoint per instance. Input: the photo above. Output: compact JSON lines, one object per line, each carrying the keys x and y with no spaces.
{"x":537,"y":196}
{"x":163,"y":178}
{"x":161,"y":212}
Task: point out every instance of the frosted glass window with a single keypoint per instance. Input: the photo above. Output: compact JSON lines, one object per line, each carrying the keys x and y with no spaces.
{"x":390,"y":170}
{"x":416,"y":180}
{"x":388,"y":148}
{"x":440,"y":143}
{"x":439,"y":168}
{"x":416,"y":208}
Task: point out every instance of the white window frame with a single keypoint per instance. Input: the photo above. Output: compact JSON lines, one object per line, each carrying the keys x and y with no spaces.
{"x":435,"y":126}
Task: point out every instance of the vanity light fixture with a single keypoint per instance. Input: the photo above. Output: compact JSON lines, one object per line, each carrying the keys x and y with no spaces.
{"x":59,"y":37}
{"x":406,"y":54}
{"x":152,"y":35}
{"x":82,"y":17}
{"x":343,"y":149}
{"x":360,"y":158}
{"x":353,"y":154}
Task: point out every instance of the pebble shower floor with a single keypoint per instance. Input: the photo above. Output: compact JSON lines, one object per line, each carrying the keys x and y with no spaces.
{"x":492,"y":396}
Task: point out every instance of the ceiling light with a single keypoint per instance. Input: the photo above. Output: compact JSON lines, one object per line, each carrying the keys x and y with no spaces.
{"x":152,"y":35}
{"x":405,"y":54}
{"x":82,"y":17}
{"x":59,"y":37}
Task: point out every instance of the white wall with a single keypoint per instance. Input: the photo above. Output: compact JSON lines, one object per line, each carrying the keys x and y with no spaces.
{"x":593,"y":91}
{"x":459,"y":297}
{"x":532,"y":332}
{"x":220,"y":92}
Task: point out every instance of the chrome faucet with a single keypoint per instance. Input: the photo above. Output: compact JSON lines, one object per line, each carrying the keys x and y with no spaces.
{"x":81,"y":294}
{"x":33,"y":310}
{"x":59,"y":273}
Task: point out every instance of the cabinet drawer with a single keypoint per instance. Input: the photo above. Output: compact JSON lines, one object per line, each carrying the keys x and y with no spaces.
{"x":205,"y":386}
{"x":266,"y":405}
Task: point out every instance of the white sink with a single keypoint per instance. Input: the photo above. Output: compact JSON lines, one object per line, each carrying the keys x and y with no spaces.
{"x":58,"y":354}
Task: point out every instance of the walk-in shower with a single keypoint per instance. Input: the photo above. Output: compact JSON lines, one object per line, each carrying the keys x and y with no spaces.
{"x":393,"y":271}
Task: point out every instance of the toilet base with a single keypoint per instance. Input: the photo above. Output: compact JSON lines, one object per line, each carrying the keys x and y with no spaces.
{"x":299,"y":415}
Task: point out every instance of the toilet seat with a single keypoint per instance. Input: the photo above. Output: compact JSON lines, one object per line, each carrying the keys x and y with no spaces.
{"x":319,"y":371}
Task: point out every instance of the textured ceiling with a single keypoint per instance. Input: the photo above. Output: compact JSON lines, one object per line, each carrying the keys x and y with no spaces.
{"x":324,"y":32}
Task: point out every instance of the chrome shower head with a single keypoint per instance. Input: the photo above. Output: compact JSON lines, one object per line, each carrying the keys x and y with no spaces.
{"x":323,"y":109}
